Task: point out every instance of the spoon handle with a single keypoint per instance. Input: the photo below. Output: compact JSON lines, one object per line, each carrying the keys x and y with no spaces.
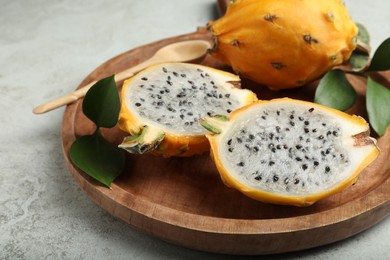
{"x":79,"y":93}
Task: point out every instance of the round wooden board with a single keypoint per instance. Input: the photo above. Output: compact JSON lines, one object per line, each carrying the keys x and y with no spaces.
{"x":183,"y":200}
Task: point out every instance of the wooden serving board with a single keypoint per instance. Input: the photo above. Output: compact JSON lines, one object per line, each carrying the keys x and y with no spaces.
{"x":183,"y":200}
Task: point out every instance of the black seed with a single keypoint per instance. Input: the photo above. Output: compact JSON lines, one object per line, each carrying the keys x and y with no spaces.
{"x":251,"y":136}
{"x":241,"y":164}
{"x":335,"y":133}
{"x":165,"y":69}
{"x":296,"y":181}
{"x":311,"y":109}
{"x":230,"y":149}
{"x":298,"y":159}
{"x":271,"y":163}
{"x":137,"y":104}
{"x":258,"y":178}
{"x":229,"y":142}
{"x":287,"y":129}
{"x":278,"y":147}
{"x":167,"y":90}
{"x":327,"y":151}
{"x":278,"y":112}
{"x":270,"y":17}
{"x":306,"y":123}
{"x":277,"y":129}
{"x":327,"y":169}
{"x":275,"y":178}
{"x":160,"y":103}
{"x":239,"y":140}
{"x":304,"y":166}
{"x":292,"y":123}
{"x":182,"y":116}
{"x":291,"y":116}
{"x":263,"y":117}
{"x":256,"y":149}
{"x":285,"y":146}
{"x":228,"y":110}
{"x":141,"y":86}
{"x":144,"y":79}
{"x":175,"y":74}
{"x":190,"y":114}
{"x":306,"y":130}
{"x":191,"y":82}
{"x":314,"y":130}
{"x":286,"y":181}
{"x":277,"y":65}
{"x":300,"y":118}
{"x":298,"y":146}
{"x":316,"y":163}
{"x":323,"y":153}
{"x":323,"y":124}
{"x":227,"y":95}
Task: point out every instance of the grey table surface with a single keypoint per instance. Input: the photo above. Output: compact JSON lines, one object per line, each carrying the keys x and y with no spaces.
{"x":46,"y":49}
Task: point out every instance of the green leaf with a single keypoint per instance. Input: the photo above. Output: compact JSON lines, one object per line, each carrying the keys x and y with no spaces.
{"x":102,"y":103}
{"x":363,"y":35}
{"x":381,"y":59}
{"x":334,"y":90}
{"x":378,"y":106}
{"x":98,"y":158}
{"x":359,"y":61}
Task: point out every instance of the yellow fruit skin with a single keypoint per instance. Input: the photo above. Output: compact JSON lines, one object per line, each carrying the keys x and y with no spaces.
{"x":284,"y":43}
{"x":300,"y":201}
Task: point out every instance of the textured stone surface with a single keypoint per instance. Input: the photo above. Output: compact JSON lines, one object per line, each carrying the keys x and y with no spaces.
{"x":46,"y":49}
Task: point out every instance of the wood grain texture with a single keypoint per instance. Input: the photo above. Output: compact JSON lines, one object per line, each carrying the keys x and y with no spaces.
{"x":183,"y":200}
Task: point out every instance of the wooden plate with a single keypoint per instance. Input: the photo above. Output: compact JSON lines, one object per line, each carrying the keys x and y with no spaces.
{"x":183,"y":200}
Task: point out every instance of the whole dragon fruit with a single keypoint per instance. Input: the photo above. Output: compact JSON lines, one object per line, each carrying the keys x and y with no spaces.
{"x":284,"y":43}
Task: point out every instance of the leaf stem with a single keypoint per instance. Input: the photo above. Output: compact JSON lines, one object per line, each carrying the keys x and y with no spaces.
{"x":356,"y":73}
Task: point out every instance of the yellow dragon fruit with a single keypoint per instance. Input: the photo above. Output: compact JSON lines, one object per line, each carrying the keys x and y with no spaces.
{"x":284,"y":43}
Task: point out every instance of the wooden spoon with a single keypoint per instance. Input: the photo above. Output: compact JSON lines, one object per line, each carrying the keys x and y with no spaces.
{"x":184,"y":51}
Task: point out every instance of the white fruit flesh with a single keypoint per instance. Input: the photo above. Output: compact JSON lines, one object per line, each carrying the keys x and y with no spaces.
{"x":174,"y":96}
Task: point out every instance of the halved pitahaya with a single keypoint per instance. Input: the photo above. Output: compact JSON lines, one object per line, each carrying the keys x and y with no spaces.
{"x":287,"y":151}
{"x":161,"y":107}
